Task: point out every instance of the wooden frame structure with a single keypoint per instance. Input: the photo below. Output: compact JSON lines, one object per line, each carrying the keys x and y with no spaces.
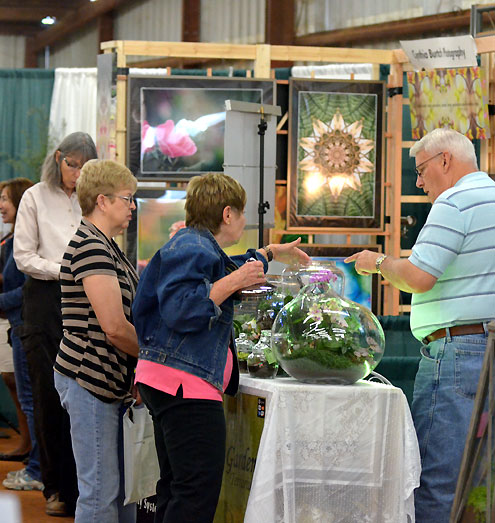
{"x":263,"y":55}
{"x":478,"y":460}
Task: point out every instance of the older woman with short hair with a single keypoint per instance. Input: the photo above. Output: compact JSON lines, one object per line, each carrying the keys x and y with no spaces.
{"x":183,"y":315}
{"x":47,"y":218}
{"x":94,"y":368}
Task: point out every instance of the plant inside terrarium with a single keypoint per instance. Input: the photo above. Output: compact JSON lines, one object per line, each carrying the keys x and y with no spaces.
{"x":251,"y":320}
{"x":319,"y":336}
{"x":244,"y":347}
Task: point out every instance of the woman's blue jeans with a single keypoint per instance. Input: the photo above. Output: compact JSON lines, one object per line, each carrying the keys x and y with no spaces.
{"x":443,"y":400}
{"x":96,"y":432}
{"x":25,"y":396}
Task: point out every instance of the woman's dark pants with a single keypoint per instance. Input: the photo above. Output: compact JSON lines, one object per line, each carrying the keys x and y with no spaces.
{"x":190,"y":442}
{"x":41,"y":333}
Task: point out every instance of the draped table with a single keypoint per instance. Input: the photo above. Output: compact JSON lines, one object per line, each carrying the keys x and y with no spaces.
{"x":333,"y":454}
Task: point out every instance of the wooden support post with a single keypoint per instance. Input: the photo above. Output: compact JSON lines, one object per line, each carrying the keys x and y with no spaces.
{"x":280,"y":25}
{"x":120,"y":123}
{"x":393,"y":176}
{"x":375,"y":74}
{"x":262,"y":63}
{"x":105,"y":27}
{"x":191,"y":20}
{"x":30,"y":54}
{"x":487,"y":150}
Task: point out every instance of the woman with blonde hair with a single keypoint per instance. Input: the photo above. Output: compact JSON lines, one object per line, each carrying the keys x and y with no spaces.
{"x":94,"y":368}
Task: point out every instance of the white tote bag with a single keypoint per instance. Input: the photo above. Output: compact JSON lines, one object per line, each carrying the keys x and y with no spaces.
{"x":141,"y":467}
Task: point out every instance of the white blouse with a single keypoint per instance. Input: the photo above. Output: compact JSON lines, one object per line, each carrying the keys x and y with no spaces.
{"x":45,"y":223}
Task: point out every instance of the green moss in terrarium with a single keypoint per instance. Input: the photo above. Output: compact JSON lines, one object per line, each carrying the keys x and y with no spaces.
{"x":326,"y":358}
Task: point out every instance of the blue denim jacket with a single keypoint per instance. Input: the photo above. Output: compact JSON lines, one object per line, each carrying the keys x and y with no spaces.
{"x":177,"y":323}
{"x":13,"y":281}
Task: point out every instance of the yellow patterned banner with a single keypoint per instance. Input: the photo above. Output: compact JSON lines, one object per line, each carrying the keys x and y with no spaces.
{"x":455,"y":98}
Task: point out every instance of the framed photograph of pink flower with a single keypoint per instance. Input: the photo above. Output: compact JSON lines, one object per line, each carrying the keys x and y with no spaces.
{"x":364,"y":290}
{"x":176,"y":124}
{"x":335,"y":155}
{"x":159,"y":215}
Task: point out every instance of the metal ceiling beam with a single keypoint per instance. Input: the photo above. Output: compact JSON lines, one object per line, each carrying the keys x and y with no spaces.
{"x":30,"y":13}
{"x":16,"y":29}
{"x":74,"y":21}
{"x":397,"y":30}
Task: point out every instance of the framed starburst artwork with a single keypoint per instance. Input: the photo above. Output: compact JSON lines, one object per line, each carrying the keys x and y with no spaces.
{"x":335,"y":179}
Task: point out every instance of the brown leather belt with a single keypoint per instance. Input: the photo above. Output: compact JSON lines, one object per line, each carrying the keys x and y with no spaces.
{"x":456,"y":330}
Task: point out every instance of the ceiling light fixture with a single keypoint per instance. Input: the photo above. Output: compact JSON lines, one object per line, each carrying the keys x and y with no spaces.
{"x":48,"y":20}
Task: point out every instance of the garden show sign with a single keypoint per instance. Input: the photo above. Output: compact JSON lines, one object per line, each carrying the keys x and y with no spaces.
{"x":439,"y":53}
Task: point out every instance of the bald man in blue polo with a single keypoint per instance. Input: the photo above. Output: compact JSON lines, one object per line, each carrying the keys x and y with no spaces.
{"x":451,"y":275}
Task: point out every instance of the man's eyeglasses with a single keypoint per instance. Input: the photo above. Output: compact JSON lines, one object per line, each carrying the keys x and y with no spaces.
{"x":417,"y":171}
{"x":73,"y":166}
{"x":128,"y":199}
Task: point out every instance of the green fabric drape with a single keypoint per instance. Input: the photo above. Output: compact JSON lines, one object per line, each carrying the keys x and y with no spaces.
{"x":25,"y":98}
{"x":401,"y":359}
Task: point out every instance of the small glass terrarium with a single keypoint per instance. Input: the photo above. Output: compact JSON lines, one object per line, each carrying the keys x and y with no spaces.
{"x":244,"y":347}
{"x":320,"y":337}
{"x":261,"y":363}
{"x":269,"y":306}
{"x":258,"y":308}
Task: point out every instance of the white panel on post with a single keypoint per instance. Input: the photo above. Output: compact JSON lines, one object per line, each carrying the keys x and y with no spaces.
{"x":242,"y":155}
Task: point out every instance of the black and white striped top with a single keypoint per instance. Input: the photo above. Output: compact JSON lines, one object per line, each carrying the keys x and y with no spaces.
{"x":85,"y":354}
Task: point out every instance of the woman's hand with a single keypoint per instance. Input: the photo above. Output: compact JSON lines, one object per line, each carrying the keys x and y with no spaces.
{"x":289,"y":253}
{"x":251,"y":273}
{"x":136,"y":395}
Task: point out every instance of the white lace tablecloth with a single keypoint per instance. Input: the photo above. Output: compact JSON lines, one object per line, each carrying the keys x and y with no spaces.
{"x":333,"y":454}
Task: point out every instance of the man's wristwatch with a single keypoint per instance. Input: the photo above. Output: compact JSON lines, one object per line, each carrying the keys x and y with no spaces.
{"x":269,"y":253}
{"x":379,"y":262}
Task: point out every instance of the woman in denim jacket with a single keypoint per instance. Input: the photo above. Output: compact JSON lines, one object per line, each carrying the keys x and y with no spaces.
{"x":28,"y":478}
{"x":183,"y":313}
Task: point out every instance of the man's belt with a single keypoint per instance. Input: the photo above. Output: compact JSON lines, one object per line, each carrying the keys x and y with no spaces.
{"x":456,"y":330}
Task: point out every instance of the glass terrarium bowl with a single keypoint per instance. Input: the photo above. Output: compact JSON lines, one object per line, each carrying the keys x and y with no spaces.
{"x":244,"y":347}
{"x":294,"y":278}
{"x":258,"y":308}
{"x":261,"y":363}
{"x":320,"y":337}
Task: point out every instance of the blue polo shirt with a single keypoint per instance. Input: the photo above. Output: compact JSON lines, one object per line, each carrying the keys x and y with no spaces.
{"x":457,"y":245}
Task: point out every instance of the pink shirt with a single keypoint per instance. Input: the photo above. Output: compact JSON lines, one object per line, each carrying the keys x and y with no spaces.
{"x":168,"y":380}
